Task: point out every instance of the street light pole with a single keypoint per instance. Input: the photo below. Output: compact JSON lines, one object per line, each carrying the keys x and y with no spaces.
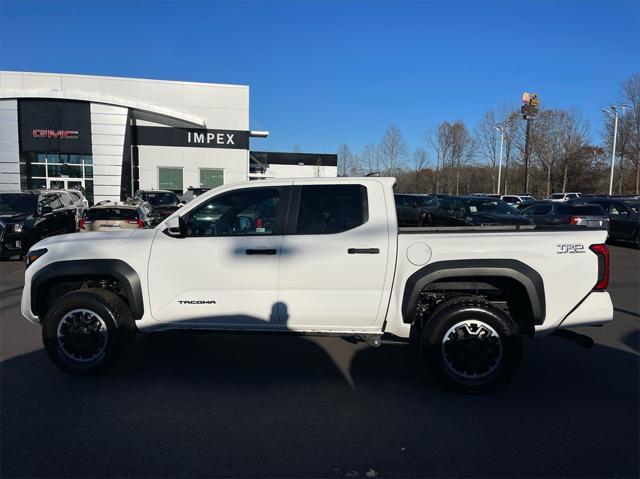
{"x":613,"y":115}
{"x":500,"y":128}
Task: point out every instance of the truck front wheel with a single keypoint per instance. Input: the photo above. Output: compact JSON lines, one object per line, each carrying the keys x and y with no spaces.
{"x":88,"y":331}
{"x":471,"y":345}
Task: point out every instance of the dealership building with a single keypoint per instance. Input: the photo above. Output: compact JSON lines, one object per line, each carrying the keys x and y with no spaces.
{"x":112,"y":136}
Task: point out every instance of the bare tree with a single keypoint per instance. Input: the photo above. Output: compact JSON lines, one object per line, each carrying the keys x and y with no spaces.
{"x":345,"y":160}
{"x":487,"y":140}
{"x":462,"y":149}
{"x":631,"y":95}
{"x":573,"y":132}
{"x":420,"y":160}
{"x":393,"y":150}
{"x":370,"y":158}
{"x":438,"y":139}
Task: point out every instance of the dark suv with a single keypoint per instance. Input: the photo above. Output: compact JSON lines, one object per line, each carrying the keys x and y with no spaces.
{"x":412,"y":208}
{"x":26,"y":217}
{"x":164,"y":202}
{"x":624,"y":218}
{"x":475,"y":211}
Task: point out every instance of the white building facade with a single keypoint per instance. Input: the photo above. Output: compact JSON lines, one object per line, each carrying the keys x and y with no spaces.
{"x":112,"y":136}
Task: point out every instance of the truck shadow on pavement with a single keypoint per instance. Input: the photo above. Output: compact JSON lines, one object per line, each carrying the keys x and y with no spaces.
{"x":245,"y":405}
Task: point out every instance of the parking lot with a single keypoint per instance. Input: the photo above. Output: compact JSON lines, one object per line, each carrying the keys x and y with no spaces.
{"x":228,"y":405}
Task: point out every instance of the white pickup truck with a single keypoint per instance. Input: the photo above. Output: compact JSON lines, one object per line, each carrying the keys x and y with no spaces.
{"x":318,"y":257}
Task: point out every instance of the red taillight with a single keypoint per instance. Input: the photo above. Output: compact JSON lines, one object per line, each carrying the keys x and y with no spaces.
{"x":602,"y":252}
{"x":136,"y":221}
{"x":84,"y":222}
{"x":259,"y":222}
{"x":575,"y":220}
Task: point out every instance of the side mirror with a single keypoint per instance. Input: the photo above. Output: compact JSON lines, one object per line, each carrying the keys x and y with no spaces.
{"x":175,"y":227}
{"x":180,"y":205}
{"x":45,"y":210}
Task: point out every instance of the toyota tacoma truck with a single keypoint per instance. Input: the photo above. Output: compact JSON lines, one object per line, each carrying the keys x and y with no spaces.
{"x":318,"y":257}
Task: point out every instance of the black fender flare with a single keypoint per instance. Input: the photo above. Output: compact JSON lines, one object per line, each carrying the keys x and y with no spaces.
{"x":529,"y":278}
{"x":87,"y":269}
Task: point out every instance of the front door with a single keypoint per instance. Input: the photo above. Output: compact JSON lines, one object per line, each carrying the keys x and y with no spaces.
{"x":225,"y":271}
{"x":334,"y":258}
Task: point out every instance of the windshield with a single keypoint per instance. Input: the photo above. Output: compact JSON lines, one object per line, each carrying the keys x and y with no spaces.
{"x":426,"y":200}
{"x":557,"y":196}
{"x":581,"y":210}
{"x":16,"y":203}
{"x":635,"y":207}
{"x":158,"y":198}
{"x":487,"y":205}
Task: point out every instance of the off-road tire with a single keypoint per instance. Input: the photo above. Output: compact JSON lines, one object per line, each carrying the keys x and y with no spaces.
{"x":115,"y":316}
{"x":491,"y":321}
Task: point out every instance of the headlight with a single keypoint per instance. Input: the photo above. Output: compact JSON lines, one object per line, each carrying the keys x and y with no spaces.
{"x":31,"y":256}
{"x":17,"y":228}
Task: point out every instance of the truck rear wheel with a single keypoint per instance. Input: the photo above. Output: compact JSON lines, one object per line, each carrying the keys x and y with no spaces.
{"x":471,"y":345}
{"x":88,"y":331}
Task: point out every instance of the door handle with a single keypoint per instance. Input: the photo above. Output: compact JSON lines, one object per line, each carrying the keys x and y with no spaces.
{"x":363,"y":250}
{"x":251,"y":252}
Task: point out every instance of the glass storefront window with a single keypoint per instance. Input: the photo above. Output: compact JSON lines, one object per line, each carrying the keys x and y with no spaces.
{"x":75,"y":159}
{"x":38,"y":183}
{"x":53,"y":158}
{"x":38,"y":170}
{"x":71,"y":171}
{"x":88,"y":171}
{"x":170,"y":179}
{"x":211,"y":178}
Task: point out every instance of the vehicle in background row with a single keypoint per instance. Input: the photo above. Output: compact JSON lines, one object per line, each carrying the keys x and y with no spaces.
{"x":164,"y":202}
{"x":319,"y":257}
{"x":115,"y":217}
{"x":518,"y":201}
{"x":192,"y":193}
{"x":474,"y":211}
{"x":563,"y":196}
{"x":624,"y":218}
{"x":79,"y":201}
{"x":30,"y":216}
{"x":554,"y":213}
{"x":410,"y":208}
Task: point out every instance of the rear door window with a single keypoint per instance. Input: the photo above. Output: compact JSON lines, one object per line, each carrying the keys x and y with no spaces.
{"x":331,"y":209}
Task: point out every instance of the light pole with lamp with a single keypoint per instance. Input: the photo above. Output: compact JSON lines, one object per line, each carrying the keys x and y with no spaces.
{"x":501,"y":128}
{"x":613,"y":113}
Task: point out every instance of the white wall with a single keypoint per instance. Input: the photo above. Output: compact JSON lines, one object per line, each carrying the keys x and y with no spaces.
{"x":108,"y":126}
{"x":233,"y":162}
{"x":9,"y":152}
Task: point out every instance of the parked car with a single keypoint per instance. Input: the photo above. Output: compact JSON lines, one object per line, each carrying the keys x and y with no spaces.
{"x":164,"y":202}
{"x":334,"y":263}
{"x":563,"y":196}
{"x":518,"y":201}
{"x":411,"y":208}
{"x":192,"y":193}
{"x":475,"y":211}
{"x":114,"y":217}
{"x":79,"y":201}
{"x":29,"y":216}
{"x":554,"y":213}
{"x":624,"y":218}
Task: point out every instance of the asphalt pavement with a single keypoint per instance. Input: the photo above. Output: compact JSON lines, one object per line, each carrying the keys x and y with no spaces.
{"x":255,"y":406}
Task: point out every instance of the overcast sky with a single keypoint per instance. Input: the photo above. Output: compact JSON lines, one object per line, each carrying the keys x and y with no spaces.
{"x":325,"y":73}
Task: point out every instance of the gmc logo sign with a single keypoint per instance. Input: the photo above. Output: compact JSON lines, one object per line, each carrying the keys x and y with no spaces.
{"x":64,"y":134}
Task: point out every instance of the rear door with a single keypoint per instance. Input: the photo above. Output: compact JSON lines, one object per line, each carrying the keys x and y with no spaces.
{"x":334,"y":258}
